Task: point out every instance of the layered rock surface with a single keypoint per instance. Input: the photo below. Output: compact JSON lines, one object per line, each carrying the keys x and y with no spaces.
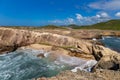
{"x":110,"y":62}
{"x":81,"y":75}
{"x":82,"y":34}
{"x":11,"y":39}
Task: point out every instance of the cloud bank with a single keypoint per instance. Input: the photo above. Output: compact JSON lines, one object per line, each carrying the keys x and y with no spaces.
{"x":101,"y":8}
{"x":117,"y":14}
{"x":106,"y":5}
{"x":82,"y":20}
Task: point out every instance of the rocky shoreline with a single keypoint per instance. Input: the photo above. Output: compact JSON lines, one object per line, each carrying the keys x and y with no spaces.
{"x":74,"y":43}
{"x":82,"y":75}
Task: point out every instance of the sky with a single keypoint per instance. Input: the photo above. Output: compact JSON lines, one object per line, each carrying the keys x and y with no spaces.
{"x":57,"y":12}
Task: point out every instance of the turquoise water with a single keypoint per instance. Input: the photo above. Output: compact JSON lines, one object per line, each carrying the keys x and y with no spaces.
{"x":24,"y":65}
{"x":21,"y":65}
{"x":112,"y":42}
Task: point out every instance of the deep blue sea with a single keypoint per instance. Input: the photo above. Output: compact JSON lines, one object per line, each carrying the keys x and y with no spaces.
{"x":112,"y":42}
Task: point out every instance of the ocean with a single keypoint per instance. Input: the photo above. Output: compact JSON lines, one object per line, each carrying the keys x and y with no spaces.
{"x":25,"y":65}
{"x":111,"y":42}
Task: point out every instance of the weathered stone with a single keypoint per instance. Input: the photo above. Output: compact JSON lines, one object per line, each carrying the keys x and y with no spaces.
{"x":110,"y":62}
{"x":100,"y":51}
{"x":11,"y":39}
{"x":58,"y":42}
{"x":81,"y":75}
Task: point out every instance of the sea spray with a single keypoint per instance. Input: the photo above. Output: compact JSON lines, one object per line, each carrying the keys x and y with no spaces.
{"x":77,"y":63}
{"x":21,"y":65}
{"x":25,"y":65}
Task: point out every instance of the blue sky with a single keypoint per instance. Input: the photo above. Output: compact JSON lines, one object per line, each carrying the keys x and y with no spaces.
{"x":58,"y":12}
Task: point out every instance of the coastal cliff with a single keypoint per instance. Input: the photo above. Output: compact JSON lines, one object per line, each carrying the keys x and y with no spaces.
{"x":12,"y":39}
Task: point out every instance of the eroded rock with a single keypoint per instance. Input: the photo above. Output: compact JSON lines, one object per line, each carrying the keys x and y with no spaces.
{"x":110,"y":62}
{"x":81,"y":75}
{"x":11,"y":39}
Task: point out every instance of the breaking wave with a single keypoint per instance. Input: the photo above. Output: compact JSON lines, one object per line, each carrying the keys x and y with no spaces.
{"x":25,"y":65}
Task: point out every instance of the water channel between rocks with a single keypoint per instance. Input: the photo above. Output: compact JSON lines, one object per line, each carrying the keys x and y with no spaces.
{"x":111,"y":42}
{"x":25,"y":65}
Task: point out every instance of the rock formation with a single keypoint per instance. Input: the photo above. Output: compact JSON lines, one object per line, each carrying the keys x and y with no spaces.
{"x":110,"y":62}
{"x":11,"y":39}
{"x":81,"y":75}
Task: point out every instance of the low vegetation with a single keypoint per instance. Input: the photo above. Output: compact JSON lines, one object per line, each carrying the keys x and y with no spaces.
{"x":36,"y":27}
{"x":109,"y":25}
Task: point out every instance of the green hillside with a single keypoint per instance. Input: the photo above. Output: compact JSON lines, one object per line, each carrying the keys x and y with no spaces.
{"x":52,"y":27}
{"x":109,"y":25}
{"x":36,"y":27}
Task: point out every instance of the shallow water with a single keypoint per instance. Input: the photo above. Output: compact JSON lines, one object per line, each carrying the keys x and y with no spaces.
{"x":24,"y":65}
{"x":112,"y":42}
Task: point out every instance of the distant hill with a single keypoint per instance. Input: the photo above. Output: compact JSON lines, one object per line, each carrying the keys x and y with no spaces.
{"x":109,"y":25}
{"x":52,"y":27}
{"x":37,"y":27}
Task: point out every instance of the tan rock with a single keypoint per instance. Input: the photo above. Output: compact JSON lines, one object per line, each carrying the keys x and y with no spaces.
{"x":47,"y":48}
{"x":110,"y":62}
{"x":81,"y":75}
{"x":11,"y":39}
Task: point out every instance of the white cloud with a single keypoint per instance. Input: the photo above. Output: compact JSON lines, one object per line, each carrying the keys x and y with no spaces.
{"x":117,"y":14}
{"x":63,"y":22}
{"x":104,"y":15}
{"x":79,"y":16}
{"x":55,"y":21}
{"x":100,"y":17}
{"x":83,"y":20}
{"x":106,"y":5}
{"x":70,"y":20}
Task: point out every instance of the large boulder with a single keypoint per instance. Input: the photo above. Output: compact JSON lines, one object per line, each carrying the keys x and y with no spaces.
{"x":99,"y":51}
{"x":110,"y":62}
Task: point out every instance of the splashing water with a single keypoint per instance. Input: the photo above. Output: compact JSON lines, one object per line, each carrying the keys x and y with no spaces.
{"x":24,"y":65}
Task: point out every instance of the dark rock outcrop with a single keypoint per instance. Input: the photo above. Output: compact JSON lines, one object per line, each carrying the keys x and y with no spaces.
{"x":110,"y":62}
